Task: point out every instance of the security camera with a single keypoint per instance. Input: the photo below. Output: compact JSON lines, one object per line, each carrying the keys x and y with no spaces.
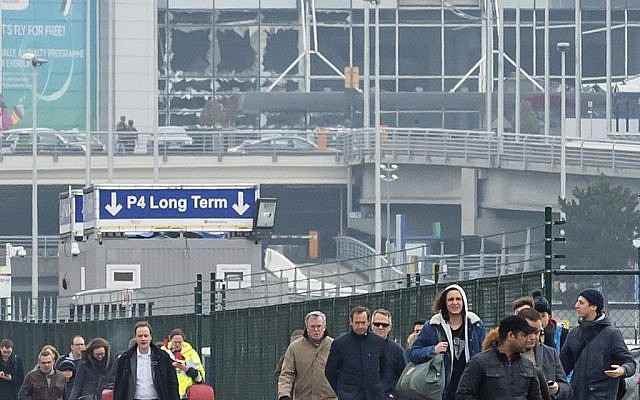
{"x":75,"y":249}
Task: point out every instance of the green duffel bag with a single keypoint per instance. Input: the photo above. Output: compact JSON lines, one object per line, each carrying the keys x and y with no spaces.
{"x":422,"y":381}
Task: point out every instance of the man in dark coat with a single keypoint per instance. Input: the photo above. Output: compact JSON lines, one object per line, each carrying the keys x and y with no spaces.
{"x":144,"y":372}
{"x":11,"y":371}
{"x":357,"y":367}
{"x":381,"y":325}
{"x":501,"y":373}
{"x":595,"y":351}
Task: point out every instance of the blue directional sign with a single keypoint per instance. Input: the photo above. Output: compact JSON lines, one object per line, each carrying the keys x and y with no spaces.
{"x":124,"y":208}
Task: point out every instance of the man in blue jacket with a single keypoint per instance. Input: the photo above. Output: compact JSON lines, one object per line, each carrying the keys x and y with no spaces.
{"x":357,"y":368}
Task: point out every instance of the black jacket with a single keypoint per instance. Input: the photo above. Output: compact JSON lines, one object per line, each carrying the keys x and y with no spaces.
{"x":68,"y":386}
{"x":164,"y":375}
{"x":357,"y":367}
{"x":14,"y":367}
{"x":606,"y":347}
{"x":554,"y":332}
{"x":397,"y":362}
{"x":489,"y":375}
{"x":91,"y":378}
{"x":548,"y":361}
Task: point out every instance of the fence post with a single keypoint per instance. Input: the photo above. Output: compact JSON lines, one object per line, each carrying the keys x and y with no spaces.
{"x":548,"y":252}
{"x":527,"y":251}
{"x":212,"y":293}
{"x":482,"y":257}
{"x":461,"y":262}
{"x":503,"y":254}
{"x":197,"y":295}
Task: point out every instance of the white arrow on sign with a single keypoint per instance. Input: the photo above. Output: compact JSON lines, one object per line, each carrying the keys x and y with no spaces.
{"x":240,"y":207}
{"x":113,"y":208}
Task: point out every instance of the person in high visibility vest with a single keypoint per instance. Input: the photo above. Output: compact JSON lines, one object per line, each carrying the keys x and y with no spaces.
{"x":186,"y":361}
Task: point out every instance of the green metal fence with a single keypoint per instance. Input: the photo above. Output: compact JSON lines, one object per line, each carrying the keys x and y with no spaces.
{"x":245,"y":344}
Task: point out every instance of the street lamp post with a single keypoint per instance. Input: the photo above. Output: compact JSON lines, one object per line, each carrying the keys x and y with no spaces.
{"x":562,"y":48}
{"x":35,"y":62}
{"x":387,"y":175}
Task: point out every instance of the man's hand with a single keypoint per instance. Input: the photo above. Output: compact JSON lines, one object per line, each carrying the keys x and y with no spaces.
{"x":616,"y":371}
{"x":553,"y":389}
{"x":3,"y":376}
{"x":441,"y":348}
{"x":180,"y":365}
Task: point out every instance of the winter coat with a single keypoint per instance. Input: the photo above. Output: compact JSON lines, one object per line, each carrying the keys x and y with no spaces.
{"x":195,"y":369}
{"x":357,"y":368}
{"x":548,"y":361}
{"x":397,"y":362}
{"x":36,"y":387}
{"x":164,"y":376}
{"x":302,"y":376}
{"x":555,"y":334}
{"x":438,"y":330}
{"x":91,"y":378}
{"x":606,"y":347}
{"x":491,"y":376}
{"x":14,"y":367}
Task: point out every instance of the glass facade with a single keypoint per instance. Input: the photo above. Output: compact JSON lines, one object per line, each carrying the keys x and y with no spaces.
{"x":213,"y":49}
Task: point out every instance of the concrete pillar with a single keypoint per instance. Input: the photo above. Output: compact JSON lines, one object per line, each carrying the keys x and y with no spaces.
{"x":469,"y":201}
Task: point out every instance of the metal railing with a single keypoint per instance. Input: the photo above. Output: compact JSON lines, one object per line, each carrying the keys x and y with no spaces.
{"x":420,"y":146}
{"x":47,"y":244}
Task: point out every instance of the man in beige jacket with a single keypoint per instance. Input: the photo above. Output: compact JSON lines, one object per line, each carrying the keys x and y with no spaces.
{"x":302,"y":376}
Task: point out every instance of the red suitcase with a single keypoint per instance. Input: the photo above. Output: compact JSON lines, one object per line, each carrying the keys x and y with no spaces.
{"x":200,"y":391}
{"x":107,"y":394}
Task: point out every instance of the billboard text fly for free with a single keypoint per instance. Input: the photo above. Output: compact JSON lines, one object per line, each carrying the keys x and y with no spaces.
{"x":56,"y":31}
{"x":140,"y":208}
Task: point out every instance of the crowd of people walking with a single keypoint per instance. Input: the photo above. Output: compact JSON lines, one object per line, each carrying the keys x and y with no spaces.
{"x":449,"y":356}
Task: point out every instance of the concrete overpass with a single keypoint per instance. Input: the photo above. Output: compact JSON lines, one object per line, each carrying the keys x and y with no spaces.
{"x":482,"y":174}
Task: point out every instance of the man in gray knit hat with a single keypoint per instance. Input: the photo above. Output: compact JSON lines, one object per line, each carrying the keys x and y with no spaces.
{"x":595,"y":351}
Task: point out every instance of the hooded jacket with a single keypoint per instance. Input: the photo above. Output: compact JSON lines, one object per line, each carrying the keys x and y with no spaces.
{"x":438,"y":330}
{"x":606,"y":347}
{"x":302,"y":376}
{"x":14,"y":367}
{"x":195,"y":369}
{"x":92,"y":376}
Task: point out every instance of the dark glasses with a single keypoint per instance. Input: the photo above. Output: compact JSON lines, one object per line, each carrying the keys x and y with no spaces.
{"x":381,"y":325}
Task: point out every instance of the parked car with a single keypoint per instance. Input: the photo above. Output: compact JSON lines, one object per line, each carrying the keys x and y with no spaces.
{"x":19,"y":141}
{"x":170,"y":138}
{"x":80,"y":139}
{"x":281,"y":144}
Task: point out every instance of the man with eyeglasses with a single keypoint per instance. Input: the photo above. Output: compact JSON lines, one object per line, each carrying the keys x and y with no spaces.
{"x":357,"y":368}
{"x":545,"y":358}
{"x":69,"y":363}
{"x":381,"y":323}
{"x":302,"y":376}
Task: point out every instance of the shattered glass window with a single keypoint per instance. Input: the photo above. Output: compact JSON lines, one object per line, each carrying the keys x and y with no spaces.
{"x":190,"y":17}
{"x":279,"y":16}
{"x":162,"y":51}
{"x":333,"y":43}
{"x":162,"y":85}
{"x":190,"y":50}
{"x":387,"y":46}
{"x":186,"y":103}
{"x":279,"y":47}
{"x":236,"y":17}
{"x":284,"y":120}
{"x":237,"y":50}
{"x":191,"y":86}
{"x":285,"y":85}
{"x":162,"y":119}
{"x":235,"y":85}
{"x":341,"y":17}
{"x":329,"y":119}
{"x":183,"y":119}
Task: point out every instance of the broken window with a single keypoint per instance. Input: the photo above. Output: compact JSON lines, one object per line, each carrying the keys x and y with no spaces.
{"x":235,"y":85}
{"x":190,"y":17}
{"x":280,"y":49}
{"x":183,"y":119}
{"x":237,"y":50}
{"x":192,"y":86}
{"x":333,"y":43}
{"x":285,"y":85}
{"x":236,"y":17}
{"x":329,"y":119}
{"x":190,"y":51}
{"x":162,"y":51}
{"x":279,"y":16}
{"x":186,"y":103}
{"x":341,"y":17}
{"x":387,"y":49}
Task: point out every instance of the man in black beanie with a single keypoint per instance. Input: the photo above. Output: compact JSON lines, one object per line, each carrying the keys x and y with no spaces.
{"x":595,"y":351}
{"x":555,"y":333}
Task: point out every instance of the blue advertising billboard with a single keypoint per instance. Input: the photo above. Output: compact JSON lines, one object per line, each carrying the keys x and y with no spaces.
{"x":56,"y":31}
